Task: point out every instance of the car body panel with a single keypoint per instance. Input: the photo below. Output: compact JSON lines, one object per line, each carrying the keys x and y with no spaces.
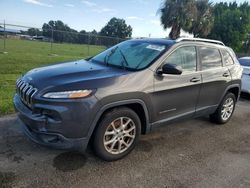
{"x":246,"y":80}
{"x":163,"y":98}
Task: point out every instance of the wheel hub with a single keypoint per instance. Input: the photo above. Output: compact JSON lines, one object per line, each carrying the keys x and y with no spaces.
{"x":227,"y":109}
{"x":119,"y":135}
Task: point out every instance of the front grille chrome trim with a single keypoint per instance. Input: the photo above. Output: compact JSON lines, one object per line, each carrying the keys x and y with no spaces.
{"x":25,"y":91}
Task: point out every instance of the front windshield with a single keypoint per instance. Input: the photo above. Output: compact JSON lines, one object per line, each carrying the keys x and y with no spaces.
{"x":133,"y":54}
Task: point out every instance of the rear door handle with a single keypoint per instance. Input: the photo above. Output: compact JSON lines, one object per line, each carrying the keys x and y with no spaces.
{"x":195,"y":79}
{"x":226,"y":74}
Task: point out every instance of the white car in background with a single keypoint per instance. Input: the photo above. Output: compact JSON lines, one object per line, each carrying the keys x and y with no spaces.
{"x":245,"y":63}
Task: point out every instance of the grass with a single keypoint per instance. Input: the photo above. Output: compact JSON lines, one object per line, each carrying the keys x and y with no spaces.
{"x":24,"y":55}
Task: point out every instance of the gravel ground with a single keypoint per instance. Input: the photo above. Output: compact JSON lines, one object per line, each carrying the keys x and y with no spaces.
{"x":193,"y":153}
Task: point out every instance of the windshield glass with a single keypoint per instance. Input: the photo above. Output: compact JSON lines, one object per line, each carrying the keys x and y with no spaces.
{"x":133,"y":54}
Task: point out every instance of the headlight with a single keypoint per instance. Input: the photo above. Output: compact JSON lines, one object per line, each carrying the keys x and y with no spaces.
{"x":68,"y":94}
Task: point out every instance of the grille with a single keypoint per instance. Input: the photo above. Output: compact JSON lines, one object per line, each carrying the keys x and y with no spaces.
{"x":25,"y":91}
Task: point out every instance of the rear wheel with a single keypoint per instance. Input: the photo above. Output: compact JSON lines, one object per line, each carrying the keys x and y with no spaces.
{"x":117,"y":134}
{"x":225,"y":110}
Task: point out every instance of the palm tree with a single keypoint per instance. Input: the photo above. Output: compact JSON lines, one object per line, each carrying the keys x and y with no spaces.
{"x":203,"y":24}
{"x":177,"y":14}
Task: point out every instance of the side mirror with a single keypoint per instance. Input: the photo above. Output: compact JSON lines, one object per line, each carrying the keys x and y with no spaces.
{"x":170,"y":69}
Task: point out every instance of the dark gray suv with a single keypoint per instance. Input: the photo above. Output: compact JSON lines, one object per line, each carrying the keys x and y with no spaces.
{"x":110,"y":99}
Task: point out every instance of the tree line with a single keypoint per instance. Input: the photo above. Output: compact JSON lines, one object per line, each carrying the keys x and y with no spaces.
{"x":227,"y":22}
{"x":114,"y":31}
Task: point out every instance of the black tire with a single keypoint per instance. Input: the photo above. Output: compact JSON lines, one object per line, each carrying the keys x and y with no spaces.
{"x":105,"y":124}
{"x":217,"y":117}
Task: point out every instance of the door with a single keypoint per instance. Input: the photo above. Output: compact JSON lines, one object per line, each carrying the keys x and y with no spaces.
{"x":176,"y":95}
{"x":215,"y":78}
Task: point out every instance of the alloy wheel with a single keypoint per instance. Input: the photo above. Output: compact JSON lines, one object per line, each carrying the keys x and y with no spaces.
{"x":119,"y":135}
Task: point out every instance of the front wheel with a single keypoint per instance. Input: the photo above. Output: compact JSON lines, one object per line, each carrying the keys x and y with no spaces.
{"x":117,"y":134}
{"x":225,"y":110}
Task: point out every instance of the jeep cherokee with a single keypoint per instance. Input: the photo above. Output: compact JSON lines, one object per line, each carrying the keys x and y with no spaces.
{"x":126,"y":91}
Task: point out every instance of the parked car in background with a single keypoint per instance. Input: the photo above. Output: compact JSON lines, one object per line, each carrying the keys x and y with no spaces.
{"x":245,"y":63}
{"x":113,"y":97}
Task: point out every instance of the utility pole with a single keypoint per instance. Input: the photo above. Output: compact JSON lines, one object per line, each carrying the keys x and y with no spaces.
{"x":51,"y":40}
{"x":4,"y":38}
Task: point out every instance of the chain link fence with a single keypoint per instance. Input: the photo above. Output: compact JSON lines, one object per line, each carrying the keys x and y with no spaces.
{"x":53,"y":40}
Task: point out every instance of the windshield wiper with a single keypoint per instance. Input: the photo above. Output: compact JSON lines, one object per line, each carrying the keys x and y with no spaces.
{"x":106,"y":59}
{"x":124,"y":58}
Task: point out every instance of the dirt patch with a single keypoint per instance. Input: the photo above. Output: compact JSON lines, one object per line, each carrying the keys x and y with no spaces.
{"x":69,"y":161}
{"x":6,"y":179}
{"x":144,"y":146}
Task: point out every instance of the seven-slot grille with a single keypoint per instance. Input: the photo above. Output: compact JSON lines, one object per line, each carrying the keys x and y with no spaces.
{"x":25,"y":91}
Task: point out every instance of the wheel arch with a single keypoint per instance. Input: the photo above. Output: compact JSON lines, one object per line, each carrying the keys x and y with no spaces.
{"x":136,"y":105}
{"x":235,"y":89}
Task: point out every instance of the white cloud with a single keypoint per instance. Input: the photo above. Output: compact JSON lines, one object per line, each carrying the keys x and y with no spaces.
{"x":144,"y":2}
{"x":37,"y":2}
{"x":155,"y":22}
{"x":89,"y":3}
{"x":152,"y":14}
{"x":69,"y":5}
{"x":133,"y":18}
{"x":103,"y":10}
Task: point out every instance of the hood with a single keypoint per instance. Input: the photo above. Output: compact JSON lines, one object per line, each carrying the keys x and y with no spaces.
{"x":72,"y":75}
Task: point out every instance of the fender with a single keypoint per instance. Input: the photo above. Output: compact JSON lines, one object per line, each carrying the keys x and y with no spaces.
{"x":116,"y":104}
{"x":228,"y":88}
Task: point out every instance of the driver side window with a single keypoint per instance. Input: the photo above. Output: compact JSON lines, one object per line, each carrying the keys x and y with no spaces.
{"x":185,"y":57}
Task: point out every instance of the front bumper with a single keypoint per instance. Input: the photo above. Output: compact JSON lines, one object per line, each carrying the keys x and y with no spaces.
{"x":68,"y":129}
{"x":54,"y":140}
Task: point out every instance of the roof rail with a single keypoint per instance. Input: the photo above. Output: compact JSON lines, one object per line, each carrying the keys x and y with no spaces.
{"x":200,"y":40}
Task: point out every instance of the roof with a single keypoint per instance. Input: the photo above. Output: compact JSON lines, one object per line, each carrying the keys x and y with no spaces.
{"x":9,"y":30}
{"x":157,"y":41}
{"x":171,"y":42}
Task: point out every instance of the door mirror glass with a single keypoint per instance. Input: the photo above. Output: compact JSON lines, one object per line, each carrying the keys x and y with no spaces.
{"x":170,"y":69}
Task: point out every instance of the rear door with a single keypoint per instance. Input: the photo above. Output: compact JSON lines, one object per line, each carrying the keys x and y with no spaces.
{"x":215,"y":77}
{"x":176,"y":95}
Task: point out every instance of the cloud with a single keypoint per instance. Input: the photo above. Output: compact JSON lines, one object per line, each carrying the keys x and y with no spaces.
{"x":155,"y":22}
{"x":144,"y":2}
{"x":89,"y":3}
{"x":95,"y":8}
{"x":133,"y":18}
{"x":69,"y":5}
{"x":37,"y":2}
{"x":103,"y":10}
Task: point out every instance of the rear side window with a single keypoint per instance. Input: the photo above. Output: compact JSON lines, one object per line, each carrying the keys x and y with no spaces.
{"x":227,"y":58}
{"x":185,"y":57}
{"x":210,"y":58}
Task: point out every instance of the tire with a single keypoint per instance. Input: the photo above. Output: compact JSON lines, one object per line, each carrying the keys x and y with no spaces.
{"x":220,"y":116}
{"x":113,"y":141}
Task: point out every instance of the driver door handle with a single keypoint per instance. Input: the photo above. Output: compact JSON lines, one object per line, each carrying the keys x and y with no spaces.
{"x":195,"y":79}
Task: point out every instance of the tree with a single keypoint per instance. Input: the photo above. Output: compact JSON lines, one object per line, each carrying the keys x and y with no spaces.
{"x":177,"y":14}
{"x":203,"y":23}
{"x":231,"y":24}
{"x":83,"y":37}
{"x":116,"y":28}
{"x":193,"y":16}
{"x":61,"y":32}
{"x":34,"y":32}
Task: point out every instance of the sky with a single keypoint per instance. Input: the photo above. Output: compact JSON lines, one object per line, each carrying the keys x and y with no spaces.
{"x":88,"y":14}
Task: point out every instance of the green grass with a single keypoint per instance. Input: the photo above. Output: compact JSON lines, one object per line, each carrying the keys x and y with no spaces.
{"x":24,"y":55}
